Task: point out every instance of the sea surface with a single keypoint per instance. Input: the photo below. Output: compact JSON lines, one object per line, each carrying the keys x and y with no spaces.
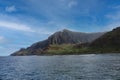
{"x":61,"y":67}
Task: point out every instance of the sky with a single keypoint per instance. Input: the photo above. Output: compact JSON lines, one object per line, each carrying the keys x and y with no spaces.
{"x":24,"y":22}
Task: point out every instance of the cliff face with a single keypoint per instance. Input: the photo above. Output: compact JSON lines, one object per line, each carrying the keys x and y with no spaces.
{"x":66,"y":37}
{"x":60,"y":37}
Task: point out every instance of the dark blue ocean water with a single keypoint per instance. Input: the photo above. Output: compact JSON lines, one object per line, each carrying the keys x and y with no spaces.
{"x":65,"y":67}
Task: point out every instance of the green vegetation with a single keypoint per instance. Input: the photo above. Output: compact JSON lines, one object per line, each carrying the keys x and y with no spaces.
{"x":109,"y":42}
{"x":66,"y":49}
{"x":60,"y":49}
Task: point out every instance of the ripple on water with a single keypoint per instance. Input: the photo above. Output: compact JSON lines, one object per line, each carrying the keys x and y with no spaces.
{"x":68,"y":67}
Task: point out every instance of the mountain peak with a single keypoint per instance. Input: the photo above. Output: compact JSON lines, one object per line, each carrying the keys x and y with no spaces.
{"x":65,"y":30}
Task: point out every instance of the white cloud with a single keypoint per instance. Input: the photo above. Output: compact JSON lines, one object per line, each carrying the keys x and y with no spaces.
{"x":72,"y":3}
{"x":15,"y":26}
{"x":15,"y":23}
{"x":2,"y":39}
{"x":10,"y":8}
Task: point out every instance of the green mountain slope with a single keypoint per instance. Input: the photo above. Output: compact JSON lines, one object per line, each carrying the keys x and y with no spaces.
{"x":109,"y":42}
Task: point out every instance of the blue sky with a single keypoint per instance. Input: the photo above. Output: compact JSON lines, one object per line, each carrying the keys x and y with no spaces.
{"x":23,"y":22}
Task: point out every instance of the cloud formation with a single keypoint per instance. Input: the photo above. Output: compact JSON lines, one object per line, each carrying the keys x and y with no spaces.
{"x":15,"y":26}
{"x":72,"y":3}
{"x":2,"y":39}
{"x":10,"y":8}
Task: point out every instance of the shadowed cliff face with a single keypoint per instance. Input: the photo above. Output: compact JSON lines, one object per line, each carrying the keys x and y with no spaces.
{"x":70,"y":37}
{"x":60,"y":37}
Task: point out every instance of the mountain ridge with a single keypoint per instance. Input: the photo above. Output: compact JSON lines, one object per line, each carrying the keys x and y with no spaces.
{"x":61,"y":37}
